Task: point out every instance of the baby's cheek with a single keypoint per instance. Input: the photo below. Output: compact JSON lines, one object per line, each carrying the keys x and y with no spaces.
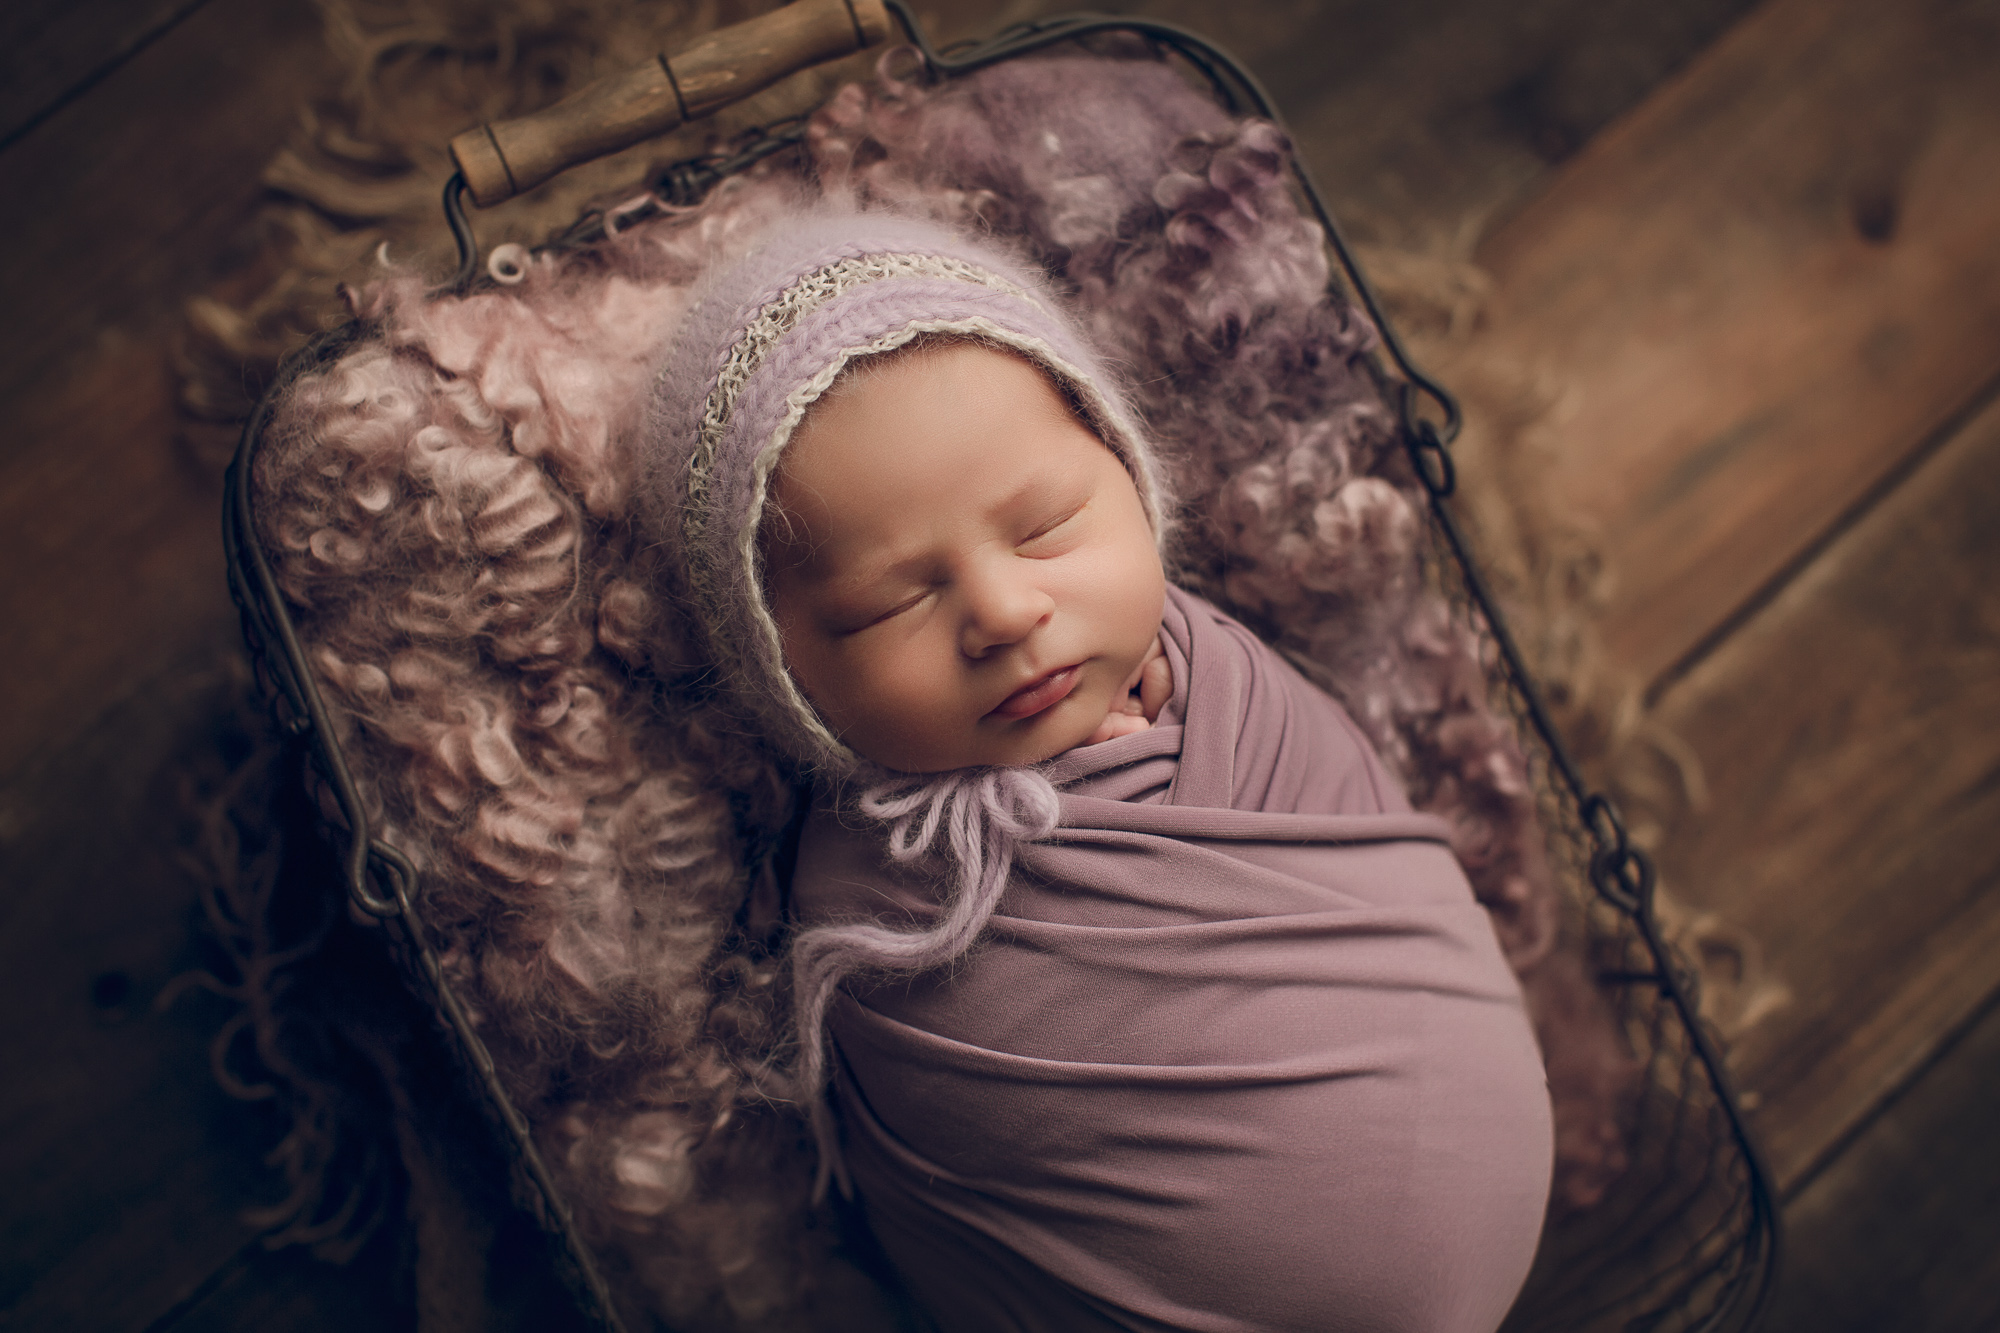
{"x":908,"y":688}
{"x":1145,"y":594}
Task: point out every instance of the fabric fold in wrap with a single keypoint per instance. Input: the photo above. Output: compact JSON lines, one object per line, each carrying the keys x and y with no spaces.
{"x":1237,"y":1052}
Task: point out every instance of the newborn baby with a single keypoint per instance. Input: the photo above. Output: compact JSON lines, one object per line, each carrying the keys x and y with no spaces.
{"x":1152,"y":1004}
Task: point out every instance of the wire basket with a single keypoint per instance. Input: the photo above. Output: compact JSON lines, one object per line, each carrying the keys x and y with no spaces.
{"x":1686,"y":1240}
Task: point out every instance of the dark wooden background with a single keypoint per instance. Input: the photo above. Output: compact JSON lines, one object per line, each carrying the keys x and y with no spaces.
{"x":1761,"y":244}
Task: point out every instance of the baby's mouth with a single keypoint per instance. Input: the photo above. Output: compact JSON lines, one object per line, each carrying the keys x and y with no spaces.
{"x":1041,"y":693}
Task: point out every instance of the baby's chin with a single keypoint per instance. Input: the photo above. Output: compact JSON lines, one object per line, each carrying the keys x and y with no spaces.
{"x":1072,"y":723}
{"x":1062,"y":728}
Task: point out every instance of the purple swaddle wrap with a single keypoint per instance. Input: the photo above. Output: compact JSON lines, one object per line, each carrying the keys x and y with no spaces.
{"x":1237,"y":1052}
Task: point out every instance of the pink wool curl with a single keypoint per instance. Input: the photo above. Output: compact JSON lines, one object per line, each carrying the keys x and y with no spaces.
{"x":445,"y":509}
{"x":447,"y":506}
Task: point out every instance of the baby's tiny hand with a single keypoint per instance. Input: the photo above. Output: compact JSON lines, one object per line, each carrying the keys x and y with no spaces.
{"x":1156,"y":682}
{"x":1146,"y":692}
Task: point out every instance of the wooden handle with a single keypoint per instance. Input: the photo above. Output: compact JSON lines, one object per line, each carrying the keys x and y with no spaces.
{"x":500,"y":161}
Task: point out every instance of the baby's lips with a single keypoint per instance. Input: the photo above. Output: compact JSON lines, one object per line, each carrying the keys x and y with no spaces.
{"x":1039,"y":694}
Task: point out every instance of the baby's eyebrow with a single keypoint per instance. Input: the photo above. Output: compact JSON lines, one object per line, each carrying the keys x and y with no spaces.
{"x":871,"y":574}
{"x":1033,"y":493}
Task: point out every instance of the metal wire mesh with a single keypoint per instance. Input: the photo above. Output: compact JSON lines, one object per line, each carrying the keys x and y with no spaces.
{"x":1687,"y":1238}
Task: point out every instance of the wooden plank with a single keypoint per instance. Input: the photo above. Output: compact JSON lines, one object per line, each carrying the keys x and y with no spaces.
{"x":1759,"y":292}
{"x":110,"y":229}
{"x":1421,"y":121}
{"x":124,"y":1168}
{"x":1850,"y":734}
{"x":121,"y":531}
{"x":51,"y":53}
{"x":1903,"y":1232}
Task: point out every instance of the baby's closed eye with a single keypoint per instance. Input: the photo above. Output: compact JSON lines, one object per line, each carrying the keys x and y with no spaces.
{"x":908,"y":602}
{"x":1053,"y":539}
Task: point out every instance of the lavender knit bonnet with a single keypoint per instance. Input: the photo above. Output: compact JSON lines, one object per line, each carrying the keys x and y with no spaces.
{"x":764,"y":339}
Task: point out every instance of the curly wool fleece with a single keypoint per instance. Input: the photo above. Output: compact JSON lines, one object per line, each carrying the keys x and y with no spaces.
{"x":452,"y":509}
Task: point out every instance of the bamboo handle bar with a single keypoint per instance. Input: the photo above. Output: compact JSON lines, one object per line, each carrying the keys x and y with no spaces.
{"x":500,"y":161}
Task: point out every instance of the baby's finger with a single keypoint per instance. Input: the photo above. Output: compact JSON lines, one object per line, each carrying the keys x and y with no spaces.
{"x":1156,"y":686}
{"x":1116,"y":725}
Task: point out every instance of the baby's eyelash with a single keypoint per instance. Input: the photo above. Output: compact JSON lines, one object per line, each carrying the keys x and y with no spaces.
{"x":1047,"y":528}
{"x":890,"y":614}
{"x":906,"y":604}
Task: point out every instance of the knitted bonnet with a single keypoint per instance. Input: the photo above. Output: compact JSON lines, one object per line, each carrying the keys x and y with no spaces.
{"x":765,"y":338}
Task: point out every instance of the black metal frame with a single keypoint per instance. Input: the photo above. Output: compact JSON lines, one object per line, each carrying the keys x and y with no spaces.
{"x":381,"y":881}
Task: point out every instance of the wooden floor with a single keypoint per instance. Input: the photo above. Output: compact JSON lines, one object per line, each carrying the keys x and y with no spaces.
{"x":1757,"y":248}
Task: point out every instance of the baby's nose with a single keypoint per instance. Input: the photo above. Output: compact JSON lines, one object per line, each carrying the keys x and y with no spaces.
{"x":1001,"y":609}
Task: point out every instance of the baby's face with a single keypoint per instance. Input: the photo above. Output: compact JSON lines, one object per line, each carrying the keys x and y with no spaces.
{"x":962,"y":572}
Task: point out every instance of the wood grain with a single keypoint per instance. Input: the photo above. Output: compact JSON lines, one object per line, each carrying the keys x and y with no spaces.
{"x":52,"y":52}
{"x":504,"y":159}
{"x":1761,"y":290}
{"x":110,"y":534}
{"x":1851,"y":738}
{"x":123,"y":1166}
{"x":1930,"y":1169}
{"x":1422,"y":121}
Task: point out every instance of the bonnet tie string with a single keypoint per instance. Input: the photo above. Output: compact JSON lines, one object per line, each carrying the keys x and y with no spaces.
{"x":983,"y":815}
